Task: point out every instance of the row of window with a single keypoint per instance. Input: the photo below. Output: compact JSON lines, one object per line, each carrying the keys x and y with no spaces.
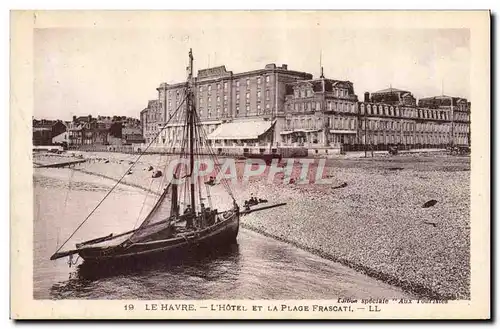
{"x":372,"y":109}
{"x":247,"y":96}
{"x":304,"y":93}
{"x":410,"y":139}
{"x":461,"y":116}
{"x":341,"y":106}
{"x":406,"y":126}
{"x":224,"y":85}
{"x":316,"y":106}
{"x":310,"y":123}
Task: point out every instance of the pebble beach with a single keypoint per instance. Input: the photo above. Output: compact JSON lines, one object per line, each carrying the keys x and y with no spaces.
{"x":369,"y":216}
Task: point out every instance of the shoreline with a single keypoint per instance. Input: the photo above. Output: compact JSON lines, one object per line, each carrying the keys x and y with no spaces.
{"x":418,"y":290}
{"x":409,"y":287}
{"x":359,"y":227}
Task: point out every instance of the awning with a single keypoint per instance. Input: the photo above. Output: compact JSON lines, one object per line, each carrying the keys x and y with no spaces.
{"x":343,"y":131}
{"x":241,"y":130}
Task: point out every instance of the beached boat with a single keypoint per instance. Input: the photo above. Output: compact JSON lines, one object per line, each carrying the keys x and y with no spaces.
{"x":165,"y":230}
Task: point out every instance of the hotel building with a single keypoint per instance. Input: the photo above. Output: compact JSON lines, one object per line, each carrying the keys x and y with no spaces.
{"x":281,"y":107}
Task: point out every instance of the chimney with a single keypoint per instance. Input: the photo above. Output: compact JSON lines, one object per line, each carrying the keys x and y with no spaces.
{"x":284,"y":66}
{"x":367,"y":97}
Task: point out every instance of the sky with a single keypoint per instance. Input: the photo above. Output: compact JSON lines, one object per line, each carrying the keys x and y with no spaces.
{"x":115,"y":71}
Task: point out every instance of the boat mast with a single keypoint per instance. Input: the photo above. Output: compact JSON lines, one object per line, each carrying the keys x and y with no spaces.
{"x":191,"y":126}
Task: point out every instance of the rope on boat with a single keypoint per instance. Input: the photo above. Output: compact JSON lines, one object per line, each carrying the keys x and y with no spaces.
{"x":125,"y":174}
{"x":70,"y":260}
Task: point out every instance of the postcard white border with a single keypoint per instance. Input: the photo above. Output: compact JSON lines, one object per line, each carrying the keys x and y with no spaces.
{"x":23,"y":306}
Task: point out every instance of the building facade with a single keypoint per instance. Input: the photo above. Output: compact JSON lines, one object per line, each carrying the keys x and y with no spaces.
{"x":457,"y":112}
{"x":88,"y":131}
{"x":152,"y":118}
{"x":320,"y":112}
{"x":276,"y":106}
{"x":44,"y":130}
{"x":222,"y":97}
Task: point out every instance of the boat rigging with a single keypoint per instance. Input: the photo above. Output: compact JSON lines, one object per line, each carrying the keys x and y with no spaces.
{"x":165,"y":229}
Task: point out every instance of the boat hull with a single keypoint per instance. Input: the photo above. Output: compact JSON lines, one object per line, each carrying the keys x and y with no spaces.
{"x":222,"y":233}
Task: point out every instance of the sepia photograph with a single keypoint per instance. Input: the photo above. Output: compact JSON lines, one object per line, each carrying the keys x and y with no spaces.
{"x":251,"y":164}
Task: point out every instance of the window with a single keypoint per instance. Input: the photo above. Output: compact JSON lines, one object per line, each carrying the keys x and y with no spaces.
{"x":258,"y":109}
{"x":258,"y":80}
{"x":237,"y":96}
{"x":237,"y":110}
{"x":258,"y":94}
{"x":248,"y":109}
{"x":201,"y":100}
{"x":237,"y":83}
{"x":218,"y":86}
{"x":296,"y":93}
{"x":209,"y":112}
{"x":225,"y":85}
{"x":225,"y":97}
{"x":201,"y":112}
{"x":218,"y":112}
{"x":308,"y":93}
{"x":267,"y":107}
{"x":209,"y":87}
{"x":209,"y":100}
{"x":268,"y":78}
{"x":268,"y":93}
{"x":247,"y":96}
{"x":201,"y":89}
{"x":248,"y":82}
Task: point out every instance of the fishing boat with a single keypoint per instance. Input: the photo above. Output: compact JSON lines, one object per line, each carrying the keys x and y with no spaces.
{"x":168,"y":228}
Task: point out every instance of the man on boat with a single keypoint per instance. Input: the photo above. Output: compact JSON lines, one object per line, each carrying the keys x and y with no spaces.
{"x":202,"y":217}
{"x":188,"y":213}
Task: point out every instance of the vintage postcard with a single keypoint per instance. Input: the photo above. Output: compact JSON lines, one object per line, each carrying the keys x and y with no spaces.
{"x":250,"y":164}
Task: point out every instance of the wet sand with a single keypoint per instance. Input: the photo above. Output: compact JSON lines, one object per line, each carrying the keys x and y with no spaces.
{"x":374,"y":224}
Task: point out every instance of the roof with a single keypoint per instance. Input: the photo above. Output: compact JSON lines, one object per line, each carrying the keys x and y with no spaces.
{"x":390,"y":90}
{"x":317,"y":85}
{"x":241,"y":130}
{"x":441,"y":97}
